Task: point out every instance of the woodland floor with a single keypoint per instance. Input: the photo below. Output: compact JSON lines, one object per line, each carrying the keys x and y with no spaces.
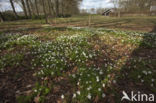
{"x":68,"y":62}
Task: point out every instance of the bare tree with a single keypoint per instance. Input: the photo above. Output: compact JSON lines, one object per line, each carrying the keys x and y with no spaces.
{"x":13,"y":8}
{"x":50,"y":7}
{"x":36,"y":6}
{"x":28,"y":7}
{"x":117,"y":5}
{"x":32,"y":7}
{"x":57,"y":7}
{"x":44,"y":10}
{"x":24,"y":8}
{"x":53,"y":7}
{"x":133,"y":5}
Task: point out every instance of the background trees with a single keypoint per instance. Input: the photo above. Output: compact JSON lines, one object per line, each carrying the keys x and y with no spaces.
{"x":1,"y":15}
{"x":37,"y":9}
{"x":13,"y":8}
{"x":133,"y":5}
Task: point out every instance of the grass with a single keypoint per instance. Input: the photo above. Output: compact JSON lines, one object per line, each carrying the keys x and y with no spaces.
{"x":145,"y":24}
{"x":76,"y":65}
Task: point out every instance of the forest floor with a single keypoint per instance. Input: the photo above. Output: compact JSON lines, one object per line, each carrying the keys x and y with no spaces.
{"x":68,"y":62}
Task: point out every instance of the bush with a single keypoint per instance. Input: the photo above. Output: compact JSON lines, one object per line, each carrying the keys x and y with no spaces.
{"x":8,"y":16}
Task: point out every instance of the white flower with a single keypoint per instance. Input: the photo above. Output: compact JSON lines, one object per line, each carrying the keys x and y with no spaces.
{"x":78,"y":83}
{"x":99,"y":89}
{"x":149,"y":72}
{"x":109,"y":75}
{"x":89,"y":88}
{"x":74,"y":95}
{"x":89,"y":96}
{"x":35,"y":90}
{"x":114,"y":81}
{"x":88,"y":75}
{"x":101,"y":73}
{"x":97,"y":79}
{"x":103,"y":85}
{"x":139,"y":76}
{"x":103,"y":95}
{"x":62,"y":96}
{"x":152,"y":85}
{"x":78,"y":92}
{"x":73,"y":76}
{"x":84,"y":53}
{"x":39,"y":73}
{"x":142,"y":80}
{"x":90,"y":55}
{"x":52,"y":73}
{"x":145,"y":72}
{"x":152,"y":80}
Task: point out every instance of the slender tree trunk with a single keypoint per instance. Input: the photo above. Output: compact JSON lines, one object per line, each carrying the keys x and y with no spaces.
{"x":52,"y":7}
{"x":62,"y":8}
{"x":44,"y":10}
{"x":37,"y":11}
{"x":28,"y":6}
{"x":24,"y":8}
{"x":13,"y":8}
{"x":49,"y":5}
{"x":57,"y":7}
{"x":32,"y":7}
{"x":119,"y":12}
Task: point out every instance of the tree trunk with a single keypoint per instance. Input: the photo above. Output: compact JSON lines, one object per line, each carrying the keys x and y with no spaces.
{"x":57,"y":7}
{"x":32,"y":7}
{"x":13,"y":8}
{"x":28,"y":6}
{"x":62,"y":8}
{"x":53,"y":8}
{"x":37,"y":11}
{"x":24,"y":8}
{"x":119,"y":13}
{"x":50,"y":8}
{"x":44,"y":10}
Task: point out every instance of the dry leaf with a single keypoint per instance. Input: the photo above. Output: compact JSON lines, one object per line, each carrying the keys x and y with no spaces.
{"x":74,"y":70}
{"x":97,"y":47}
{"x":96,"y":99}
{"x":36,"y":99}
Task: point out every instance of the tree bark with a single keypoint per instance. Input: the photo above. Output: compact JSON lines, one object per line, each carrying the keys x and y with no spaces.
{"x":37,"y":11}
{"x":13,"y":8}
{"x":24,"y":8}
{"x":44,"y":10}
{"x":62,"y":8}
{"x":53,"y":8}
{"x":57,"y":7}
{"x":50,"y":8}
{"x":32,"y":7}
{"x":28,"y":6}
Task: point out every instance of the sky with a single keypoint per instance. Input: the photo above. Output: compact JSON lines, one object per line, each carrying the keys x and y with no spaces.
{"x":5,"y":5}
{"x":86,"y":4}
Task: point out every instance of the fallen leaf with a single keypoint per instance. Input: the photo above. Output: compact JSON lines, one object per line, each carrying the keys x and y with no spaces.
{"x":74,"y":70}
{"x":36,"y":99}
{"x":96,"y":99}
{"x":97,"y":47}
